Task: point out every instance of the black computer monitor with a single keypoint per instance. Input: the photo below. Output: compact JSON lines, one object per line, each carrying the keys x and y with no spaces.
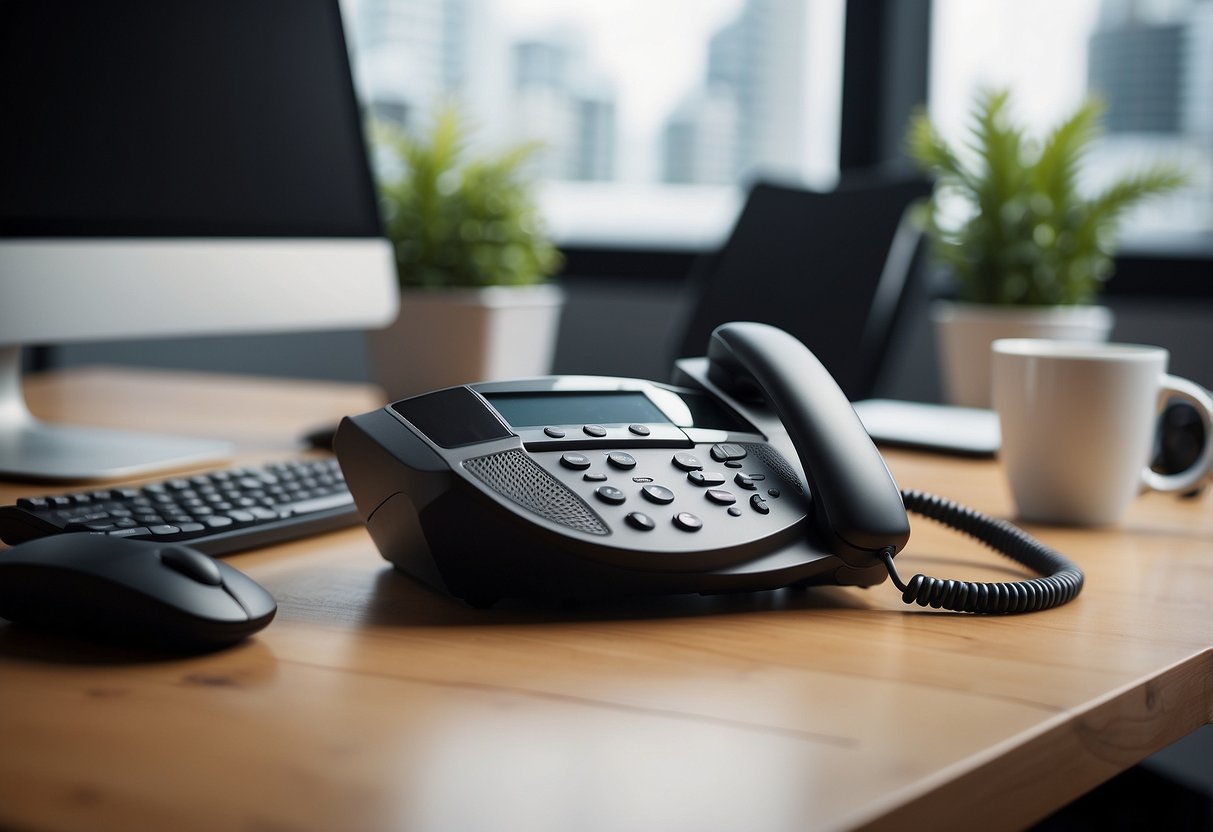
{"x":175,"y":167}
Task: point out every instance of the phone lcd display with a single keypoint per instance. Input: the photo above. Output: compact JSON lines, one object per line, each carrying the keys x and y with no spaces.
{"x":523,"y":410}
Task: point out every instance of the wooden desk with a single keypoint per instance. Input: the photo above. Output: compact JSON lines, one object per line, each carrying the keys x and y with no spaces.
{"x":373,"y":704}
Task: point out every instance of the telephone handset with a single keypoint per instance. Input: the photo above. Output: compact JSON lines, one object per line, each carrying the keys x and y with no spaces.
{"x":752,"y":473}
{"x":855,"y":501}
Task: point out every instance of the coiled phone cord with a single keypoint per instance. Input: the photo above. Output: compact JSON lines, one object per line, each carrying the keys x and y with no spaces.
{"x":1062,"y":579}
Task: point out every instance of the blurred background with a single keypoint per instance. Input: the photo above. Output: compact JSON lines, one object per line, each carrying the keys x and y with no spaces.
{"x":655,"y":118}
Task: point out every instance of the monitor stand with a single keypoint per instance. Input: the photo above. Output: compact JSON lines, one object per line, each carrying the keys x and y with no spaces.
{"x":35,"y":450}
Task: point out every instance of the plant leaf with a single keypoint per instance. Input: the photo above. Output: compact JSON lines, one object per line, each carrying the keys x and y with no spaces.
{"x":1030,"y":236}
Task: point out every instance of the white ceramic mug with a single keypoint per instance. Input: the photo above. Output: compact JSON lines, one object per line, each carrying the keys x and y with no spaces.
{"x":1078,"y":424}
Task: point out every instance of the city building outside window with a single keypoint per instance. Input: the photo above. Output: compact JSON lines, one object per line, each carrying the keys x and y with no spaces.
{"x":652,"y":116}
{"x":1150,"y":61}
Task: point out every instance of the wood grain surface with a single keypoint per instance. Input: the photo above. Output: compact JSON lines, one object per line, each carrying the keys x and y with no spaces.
{"x":372,"y":703}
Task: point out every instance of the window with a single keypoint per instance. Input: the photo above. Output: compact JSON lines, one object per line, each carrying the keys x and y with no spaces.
{"x":1151,"y":61}
{"x":652,"y":115}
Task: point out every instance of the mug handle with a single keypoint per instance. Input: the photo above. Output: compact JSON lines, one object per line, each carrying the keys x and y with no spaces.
{"x":1195,"y":395}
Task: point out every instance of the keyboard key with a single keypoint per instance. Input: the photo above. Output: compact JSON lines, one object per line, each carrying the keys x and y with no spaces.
{"x":93,"y":526}
{"x":132,"y":531}
{"x":321,"y":503}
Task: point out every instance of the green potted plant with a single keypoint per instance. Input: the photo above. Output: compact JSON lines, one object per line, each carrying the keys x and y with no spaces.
{"x":473,"y":261}
{"x":1027,"y":249}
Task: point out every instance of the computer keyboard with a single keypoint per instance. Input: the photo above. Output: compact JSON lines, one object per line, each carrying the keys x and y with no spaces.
{"x":217,"y":512}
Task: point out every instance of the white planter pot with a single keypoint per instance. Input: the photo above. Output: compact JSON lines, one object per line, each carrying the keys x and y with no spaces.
{"x":964,"y":332}
{"x":446,"y":337}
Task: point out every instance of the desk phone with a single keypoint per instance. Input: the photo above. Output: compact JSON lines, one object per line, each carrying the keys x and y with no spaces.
{"x":751,"y":472}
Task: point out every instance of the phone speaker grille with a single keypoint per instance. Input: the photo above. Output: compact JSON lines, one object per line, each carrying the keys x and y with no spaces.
{"x":773,"y":459}
{"x":513,"y":475}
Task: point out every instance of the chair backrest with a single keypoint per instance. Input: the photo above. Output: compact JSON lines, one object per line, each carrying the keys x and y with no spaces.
{"x":832,"y":268}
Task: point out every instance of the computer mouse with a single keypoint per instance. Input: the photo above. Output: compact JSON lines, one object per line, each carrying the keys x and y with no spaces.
{"x":156,"y":594}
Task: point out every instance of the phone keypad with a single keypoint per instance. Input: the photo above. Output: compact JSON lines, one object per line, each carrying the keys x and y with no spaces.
{"x":723,"y":503}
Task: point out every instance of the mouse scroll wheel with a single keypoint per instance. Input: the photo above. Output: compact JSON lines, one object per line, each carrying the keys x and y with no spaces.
{"x":191,"y":564}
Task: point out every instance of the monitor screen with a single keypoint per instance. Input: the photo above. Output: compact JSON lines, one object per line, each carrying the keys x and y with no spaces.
{"x":202,"y":118}
{"x":193,"y":167}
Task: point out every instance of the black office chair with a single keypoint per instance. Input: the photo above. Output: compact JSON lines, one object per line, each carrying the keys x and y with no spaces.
{"x":832,"y":268}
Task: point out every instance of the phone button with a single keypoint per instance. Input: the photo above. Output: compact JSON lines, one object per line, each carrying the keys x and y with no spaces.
{"x":658,"y":494}
{"x":721,"y":497}
{"x":594,"y":430}
{"x":728,"y":450}
{"x":610,"y":494}
{"x":745,"y":482}
{"x":639,"y":430}
{"x":621,"y":460}
{"x":640,"y":520}
{"x":706,"y":479}
{"x":555,"y":433}
{"x":594,"y":476}
{"x":687,"y":462}
{"x":687,"y":522}
{"x":578,"y":462}
{"x":759,"y":505}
